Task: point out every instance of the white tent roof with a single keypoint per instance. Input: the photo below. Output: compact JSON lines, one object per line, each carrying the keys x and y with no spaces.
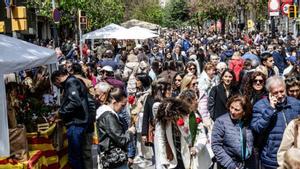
{"x":103,"y":33}
{"x":17,"y":55}
{"x":137,"y":28}
{"x":134,"y":33}
{"x":143,"y":24}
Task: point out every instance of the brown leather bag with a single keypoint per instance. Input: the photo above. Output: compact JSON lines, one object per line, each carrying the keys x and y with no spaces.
{"x":18,"y":143}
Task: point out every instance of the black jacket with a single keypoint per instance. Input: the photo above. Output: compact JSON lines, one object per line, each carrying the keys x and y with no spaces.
{"x":217,"y":100}
{"x":111,"y":132}
{"x":74,"y":106}
{"x":148,"y":115}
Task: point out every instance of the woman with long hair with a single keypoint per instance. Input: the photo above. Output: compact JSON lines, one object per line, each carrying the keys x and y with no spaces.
{"x":232,"y":139}
{"x":189,"y":81}
{"x":113,"y":136}
{"x":168,"y":139}
{"x":254,"y":88}
{"x":219,"y":94}
{"x":191,"y":68}
{"x":177,"y":84}
{"x":159,"y":91}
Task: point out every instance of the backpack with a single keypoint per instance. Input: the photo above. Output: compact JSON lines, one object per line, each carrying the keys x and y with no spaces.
{"x":237,"y":67}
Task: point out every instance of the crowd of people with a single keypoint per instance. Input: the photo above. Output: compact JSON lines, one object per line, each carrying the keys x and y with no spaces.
{"x":183,"y":100}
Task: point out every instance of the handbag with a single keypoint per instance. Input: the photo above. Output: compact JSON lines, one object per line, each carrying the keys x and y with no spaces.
{"x":113,"y":158}
{"x":18,"y":143}
{"x":150,"y":136}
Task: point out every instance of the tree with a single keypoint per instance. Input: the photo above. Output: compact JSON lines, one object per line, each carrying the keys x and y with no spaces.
{"x":148,"y":10}
{"x":213,"y":10}
{"x":101,"y":13}
{"x":176,"y":13}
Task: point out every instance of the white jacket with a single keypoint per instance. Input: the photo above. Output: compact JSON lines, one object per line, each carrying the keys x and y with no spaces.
{"x":200,"y":161}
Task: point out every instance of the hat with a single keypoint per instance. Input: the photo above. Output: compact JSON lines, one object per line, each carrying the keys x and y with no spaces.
{"x":107,"y":68}
{"x":292,"y":59}
{"x":138,"y":46}
{"x":132,"y":58}
{"x":143,"y":65}
{"x":193,"y":57}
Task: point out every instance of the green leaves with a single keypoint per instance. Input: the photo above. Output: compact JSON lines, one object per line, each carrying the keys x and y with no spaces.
{"x":99,"y":12}
{"x":176,"y":13}
{"x":149,"y":11}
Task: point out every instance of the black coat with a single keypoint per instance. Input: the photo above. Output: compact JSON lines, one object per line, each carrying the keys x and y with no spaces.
{"x":217,"y":100}
{"x":74,"y":105}
{"x":148,"y":115}
{"x":111,"y":132}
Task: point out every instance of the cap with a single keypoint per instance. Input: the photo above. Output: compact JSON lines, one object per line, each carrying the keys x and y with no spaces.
{"x":107,"y":68}
{"x":292,"y":59}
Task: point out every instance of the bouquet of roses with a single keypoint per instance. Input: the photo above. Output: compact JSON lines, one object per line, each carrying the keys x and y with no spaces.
{"x":184,"y":128}
{"x":188,"y":126}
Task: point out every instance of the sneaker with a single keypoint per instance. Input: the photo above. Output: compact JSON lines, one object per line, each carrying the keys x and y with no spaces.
{"x":138,"y":160}
{"x":145,"y":164}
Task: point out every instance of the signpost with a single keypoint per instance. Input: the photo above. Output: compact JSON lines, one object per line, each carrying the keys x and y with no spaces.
{"x":274,"y":7}
{"x":56,"y":15}
{"x":285,"y":8}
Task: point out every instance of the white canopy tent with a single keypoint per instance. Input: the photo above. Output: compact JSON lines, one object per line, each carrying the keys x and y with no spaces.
{"x":140,"y":29}
{"x":17,"y":55}
{"x":134,"y":33}
{"x":103,"y":33}
{"x":143,"y":24}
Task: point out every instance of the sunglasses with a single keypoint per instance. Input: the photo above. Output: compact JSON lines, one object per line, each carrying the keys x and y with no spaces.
{"x":192,"y":68}
{"x":291,"y":79}
{"x":194,"y":84}
{"x":259,"y":81}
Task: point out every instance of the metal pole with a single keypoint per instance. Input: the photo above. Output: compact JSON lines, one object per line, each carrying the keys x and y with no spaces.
{"x":55,"y":35}
{"x":80,"y":34}
{"x":273,"y":26}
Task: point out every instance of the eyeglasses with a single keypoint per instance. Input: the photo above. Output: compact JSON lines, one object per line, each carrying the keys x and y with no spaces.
{"x":259,"y":81}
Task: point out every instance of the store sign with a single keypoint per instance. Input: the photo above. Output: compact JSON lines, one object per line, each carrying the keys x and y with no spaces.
{"x":274,"y":7}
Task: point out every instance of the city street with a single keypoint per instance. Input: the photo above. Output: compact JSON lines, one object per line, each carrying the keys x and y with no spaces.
{"x":195,"y":84}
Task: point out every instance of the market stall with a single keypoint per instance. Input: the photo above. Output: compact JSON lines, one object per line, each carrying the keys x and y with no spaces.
{"x":17,"y":55}
{"x":143,"y":24}
{"x":103,"y":33}
{"x":134,"y":33}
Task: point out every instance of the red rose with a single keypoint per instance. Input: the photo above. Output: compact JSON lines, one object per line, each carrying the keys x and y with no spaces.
{"x":180,"y":122}
{"x":21,"y":97}
{"x":198,"y":120}
{"x":131,"y":99}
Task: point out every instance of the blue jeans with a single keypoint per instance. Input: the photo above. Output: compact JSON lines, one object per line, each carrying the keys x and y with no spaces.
{"x":75,"y":139}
